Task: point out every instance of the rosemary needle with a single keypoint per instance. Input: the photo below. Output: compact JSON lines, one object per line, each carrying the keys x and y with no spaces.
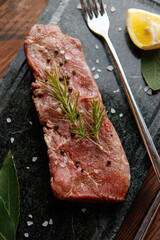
{"x":69,"y":107}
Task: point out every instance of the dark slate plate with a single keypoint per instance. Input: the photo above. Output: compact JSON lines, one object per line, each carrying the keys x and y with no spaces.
{"x":70,"y":222}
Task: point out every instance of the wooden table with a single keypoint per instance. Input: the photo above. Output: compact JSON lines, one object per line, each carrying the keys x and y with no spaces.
{"x":16,"y":18}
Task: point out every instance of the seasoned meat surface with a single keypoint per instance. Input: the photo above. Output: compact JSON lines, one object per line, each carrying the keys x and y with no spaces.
{"x":79,"y":170}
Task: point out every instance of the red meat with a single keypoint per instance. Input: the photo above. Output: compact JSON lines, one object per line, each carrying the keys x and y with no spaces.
{"x":79,"y":170}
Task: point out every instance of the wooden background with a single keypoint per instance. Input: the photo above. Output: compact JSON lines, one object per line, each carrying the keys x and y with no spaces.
{"x":16,"y":18}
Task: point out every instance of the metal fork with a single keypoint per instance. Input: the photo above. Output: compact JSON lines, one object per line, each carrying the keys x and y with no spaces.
{"x":98,"y":22}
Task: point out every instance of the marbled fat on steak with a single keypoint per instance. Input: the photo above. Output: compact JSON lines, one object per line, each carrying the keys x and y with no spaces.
{"x":79,"y":170}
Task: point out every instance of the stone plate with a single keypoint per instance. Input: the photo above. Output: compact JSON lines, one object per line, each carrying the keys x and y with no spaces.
{"x":24,"y":135}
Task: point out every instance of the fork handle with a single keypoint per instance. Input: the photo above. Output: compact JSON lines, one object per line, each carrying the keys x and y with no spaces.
{"x":147,"y":139}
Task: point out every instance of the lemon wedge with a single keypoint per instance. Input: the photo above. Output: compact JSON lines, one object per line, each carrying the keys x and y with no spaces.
{"x":144,"y":28}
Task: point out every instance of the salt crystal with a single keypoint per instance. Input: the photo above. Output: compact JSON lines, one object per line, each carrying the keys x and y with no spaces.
{"x":113,"y":110}
{"x":83,"y":210}
{"x":45,"y":224}
{"x":105,"y":6}
{"x":27,"y":167}
{"x":93,"y":68}
{"x":12,"y":140}
{"x":50,"y":221}
{"x":29,"y":223}
{"x":34,"y":159}
{"x":146,"y":88}
{"x":30,"y":123}
{"x":68,"y":57}
{"x":149,"y":92}
{"x":95,"y":170}
{"x":121,"y":114}
{"x":26,"y":235}
{"x":119,"y":29}
{"x":63,"y":164}
{"x":96,"y":76}
{"x":30,"y":216}
{"x":56,"y":162}
{"x":96,"y":46}
{"x":62,"y":51}
{"x":97,"y":61}
{"x":113,"y":9}
{"x":99,"y":70}
{"x":8,"y":120}
{"x":79,"y":6}
{"x":116,"y":91}
{"x":110,"y":68}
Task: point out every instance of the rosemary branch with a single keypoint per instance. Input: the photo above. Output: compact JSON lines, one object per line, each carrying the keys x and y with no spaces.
{"x":69,"y":107}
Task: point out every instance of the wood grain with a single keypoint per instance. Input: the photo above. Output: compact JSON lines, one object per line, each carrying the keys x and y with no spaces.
{"x":16,"y":18}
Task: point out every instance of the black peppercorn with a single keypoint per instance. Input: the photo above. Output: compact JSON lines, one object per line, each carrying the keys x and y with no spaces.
{"x":108,"y":162}
{"x":56,"y":127}
{"x":70,"y":89}
{"x":74,"y":72}
{"x":73,"y":134}
{"x":62,"y":151}
{"x":56,"y":50}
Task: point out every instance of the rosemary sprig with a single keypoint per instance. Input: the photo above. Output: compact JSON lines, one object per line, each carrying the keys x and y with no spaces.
{"x":69,"y":107}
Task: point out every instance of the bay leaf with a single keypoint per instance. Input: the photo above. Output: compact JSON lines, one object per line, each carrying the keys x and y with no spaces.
{"x":150,"y":67}
{"x":9,"y":189}
{"x":7,"y":231}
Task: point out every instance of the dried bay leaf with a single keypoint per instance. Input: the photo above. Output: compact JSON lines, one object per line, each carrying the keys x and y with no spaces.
{"x":9,"y":189}
{"x":150,"y":67}
{"x":7,"y":231}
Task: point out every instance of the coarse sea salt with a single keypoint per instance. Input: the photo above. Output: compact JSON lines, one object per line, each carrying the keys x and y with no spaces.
{"x":119,"y":29}
{"x":93,"y":68}
{"x":8,"y":120}
{"x":27,"y":168}
{"x":62,"y":51}
{"x":79,"y":6}
{"x":96,"y":46}
{"x":121,"y":115}
{"x":26,"y":235}
{"x":83,"y":210}
{"x":116,"y":91}
{"x":12,"y":139}
{"x":30,"y":216}
{"x":110,"y":68}
{"x":96,"y":76}
{"x":68,"y":57}
{"x":34,"y":159}
{"x":146,"y":88}
{"x":95,"y":170}
{"x":97,"y":60}
{"x":50,"y":221}
{"x":29,"y":223}
{"x":45,"y":224}
{"x":99,"y":70}
{"x":113,"y":110}
{"x":113,"y":9}
{"x":149,"y":92}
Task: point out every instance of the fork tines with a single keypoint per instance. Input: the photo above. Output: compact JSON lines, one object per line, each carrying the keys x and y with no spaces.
{"x":90,"y":7}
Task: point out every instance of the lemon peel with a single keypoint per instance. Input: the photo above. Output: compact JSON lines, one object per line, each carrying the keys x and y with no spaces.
{"x":143,"y":28}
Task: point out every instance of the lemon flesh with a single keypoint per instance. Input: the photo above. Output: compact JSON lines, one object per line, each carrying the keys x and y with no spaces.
{"x":144,"y":28}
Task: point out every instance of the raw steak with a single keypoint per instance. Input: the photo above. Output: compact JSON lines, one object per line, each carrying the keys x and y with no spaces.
{"x":79,"y":170}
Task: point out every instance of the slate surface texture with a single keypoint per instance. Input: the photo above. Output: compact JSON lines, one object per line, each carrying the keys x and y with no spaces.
{"x":70,"y":222}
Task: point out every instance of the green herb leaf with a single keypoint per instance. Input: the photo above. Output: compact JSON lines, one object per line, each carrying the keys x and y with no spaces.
{"x":6,"y":224}
{"x":9,"y":189}
{"x":150,"y":67}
